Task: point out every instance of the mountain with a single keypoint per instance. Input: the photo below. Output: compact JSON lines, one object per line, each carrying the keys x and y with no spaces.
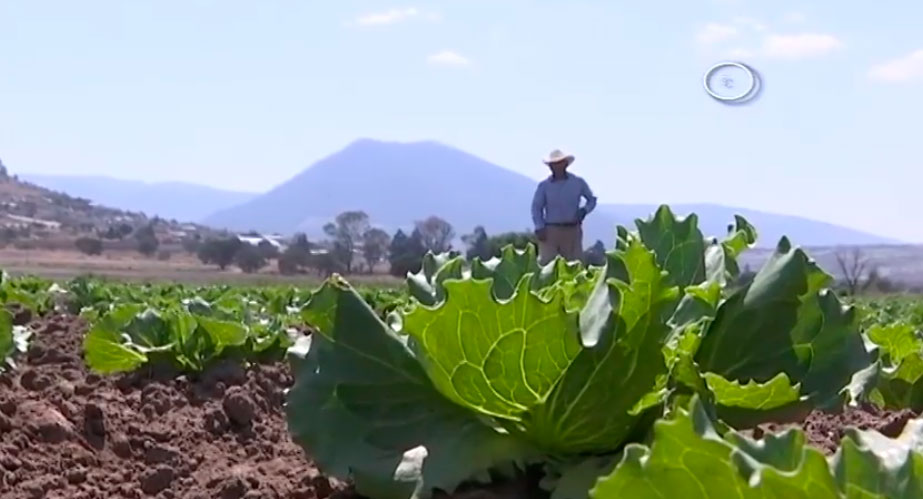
{"x":170,"y":200}
{"x":398,"y":183}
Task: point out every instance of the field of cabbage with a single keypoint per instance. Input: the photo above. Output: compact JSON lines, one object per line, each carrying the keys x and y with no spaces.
{"x":661,"y":374}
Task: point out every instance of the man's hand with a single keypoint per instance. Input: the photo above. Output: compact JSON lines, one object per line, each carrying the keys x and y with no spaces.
{"x":541,"y":234}
{"x":581,"y":214}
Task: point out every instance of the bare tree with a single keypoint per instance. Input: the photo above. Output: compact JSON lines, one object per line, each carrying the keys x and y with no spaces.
{"x":437,"y":234}
{"x":856,"y":269}
{"x":347,"y":231}
{"x":375,"y":244}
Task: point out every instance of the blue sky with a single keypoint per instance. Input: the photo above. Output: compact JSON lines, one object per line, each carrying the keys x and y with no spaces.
{"x":244,"y":94}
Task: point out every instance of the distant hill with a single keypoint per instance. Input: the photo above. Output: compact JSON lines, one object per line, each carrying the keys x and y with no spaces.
{"x":170,"y":200}
{"x":713,"y":221}
{"x":398,"y":183}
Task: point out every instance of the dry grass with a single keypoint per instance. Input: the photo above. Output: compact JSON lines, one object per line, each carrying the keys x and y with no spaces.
{"x":130,"y":266}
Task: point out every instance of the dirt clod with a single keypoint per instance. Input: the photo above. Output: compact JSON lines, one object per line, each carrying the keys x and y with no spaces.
{"x":156,"y":480}
{"x":239,"y":406}
{"x":824,"y":430}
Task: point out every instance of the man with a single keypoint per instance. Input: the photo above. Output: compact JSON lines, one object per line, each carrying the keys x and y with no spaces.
{"x":556,"y":210}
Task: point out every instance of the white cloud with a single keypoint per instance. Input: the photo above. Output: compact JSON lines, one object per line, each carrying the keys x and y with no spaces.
{"x":740,"y":53}
{"x":904,"y":69}
{"x":388,"y":17}
{"x":801,"y":46}
{"x":448,"y":58}
{"x":750,"y":22}
{"x":715,"y":33}
{"x":795,"y":17}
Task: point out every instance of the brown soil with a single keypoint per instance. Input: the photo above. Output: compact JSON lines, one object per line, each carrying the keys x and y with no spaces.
{"x":824,"y":430}
{"x":68,"y":433}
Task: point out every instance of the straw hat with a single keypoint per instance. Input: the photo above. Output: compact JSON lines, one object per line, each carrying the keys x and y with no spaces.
{"x":557,"y":156}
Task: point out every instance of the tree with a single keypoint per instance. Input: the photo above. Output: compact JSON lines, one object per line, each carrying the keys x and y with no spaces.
{"x":249,"y":258}
{"x":856,"y":270}
{"x":268,"y":250}
{"x":436,"y":234}
{"x":147,"y":240}
{"x":191,"y":244}
{"x":477,"y":243}
{"x":406,"y":253}
{"x":346,"y":231}
{"x":89,"y":245}
{"x":326,"y":263}
{"x":374,"y":247}
{"x":220,"y":252}
{"x":118,"y":231}
{"x":300,"y":242}
{"x":288,"y":264}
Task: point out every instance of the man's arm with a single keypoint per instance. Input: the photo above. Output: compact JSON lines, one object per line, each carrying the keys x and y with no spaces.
{"x":538,"y":207}
{"x":587,"y":194}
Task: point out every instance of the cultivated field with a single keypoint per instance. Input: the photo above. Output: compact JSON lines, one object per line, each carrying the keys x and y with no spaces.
{"x":659,"y":374}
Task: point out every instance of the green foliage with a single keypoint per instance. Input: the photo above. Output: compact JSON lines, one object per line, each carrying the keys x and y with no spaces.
{"x":174,"y":325}
{"x":250,"y":258}
{"x":13,"y":340}
{"x":405,"y":253}
{"x":689,"y":458}
{"x":563,"y":362}
{"x":220,"y":252}
{"x":147,"y":240}
{"x":118,"y":231}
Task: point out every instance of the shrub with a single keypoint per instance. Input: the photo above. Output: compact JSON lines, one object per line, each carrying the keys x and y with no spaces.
{"x":89,"y":245}
{"x":249,"y":258}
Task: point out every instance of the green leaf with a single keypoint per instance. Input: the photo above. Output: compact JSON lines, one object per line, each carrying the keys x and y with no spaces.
{"x":897,"y":341}
{"x":677,"y":243}
{"x":496,"y":357}
{"x":901,"y":387}
{"x":689,"y":459}
{"x":869,"y":464}
{"x":621,"y":366}
{"x":525,"y":362}
{"x":777,"y":392}
{"x":12,"y":341}
{"x":223,"y":333}
{"x":106,"y":350}
{"x":784,"y":321}
{"x":508,"y":270}
{"x":363,"y":407}
{"x":427,"y":285}
{"x":573,"y":480}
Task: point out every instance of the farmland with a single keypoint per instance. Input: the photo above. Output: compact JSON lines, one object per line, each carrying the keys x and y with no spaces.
{"x":662,"y":373}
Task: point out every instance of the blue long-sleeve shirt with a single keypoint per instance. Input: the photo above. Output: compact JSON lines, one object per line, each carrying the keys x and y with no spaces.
{"x":557,"y":201}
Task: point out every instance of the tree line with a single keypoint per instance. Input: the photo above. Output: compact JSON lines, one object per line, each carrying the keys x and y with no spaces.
{"x":352,"y":246}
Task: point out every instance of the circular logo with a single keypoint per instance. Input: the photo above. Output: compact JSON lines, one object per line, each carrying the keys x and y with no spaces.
{"x":732,"y":82}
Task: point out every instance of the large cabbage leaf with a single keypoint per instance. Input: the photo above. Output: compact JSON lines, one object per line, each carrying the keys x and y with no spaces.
{"x":689,"y":459}
{"x":542,"y":370}
{"x":364,"y":409}
{"x":785,"y":321}
{"x":900,"y":381}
